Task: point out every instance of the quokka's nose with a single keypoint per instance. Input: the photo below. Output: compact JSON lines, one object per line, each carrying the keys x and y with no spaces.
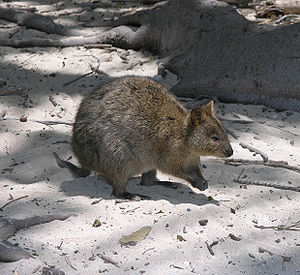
{"x":229,"y":152}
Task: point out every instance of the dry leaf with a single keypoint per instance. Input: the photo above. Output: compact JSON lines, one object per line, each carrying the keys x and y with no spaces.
{"x":136,"y":236}
{"x":96,"y":223}
{"x":180,"y":238}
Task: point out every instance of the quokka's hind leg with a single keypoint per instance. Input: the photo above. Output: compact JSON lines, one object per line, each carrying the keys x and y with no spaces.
{"x":75,"y":171}
{"x":149,"y":179}
{"x":119,"y":191}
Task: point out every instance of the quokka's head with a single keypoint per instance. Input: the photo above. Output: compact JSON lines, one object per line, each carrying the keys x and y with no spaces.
{"x":207,"y":137}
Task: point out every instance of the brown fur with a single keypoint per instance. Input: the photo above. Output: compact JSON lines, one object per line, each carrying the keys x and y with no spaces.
{"x":134,"y":126}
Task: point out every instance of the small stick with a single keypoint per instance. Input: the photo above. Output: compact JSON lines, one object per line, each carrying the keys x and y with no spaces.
{"x":52,"y":100}
{"x":31,"y":55}
{"x":256,"y":151}
{"x":176,"y":266}
{"x":69,"y":262}
{"x":46,"y":122}
{"x":236,"y":120}
{"x":131,"y":210}
{"x":2,"y":114}
{"x":61,"y":243}
{"x":210,"y":249}
{"x":100,"y":46}
{"x":14,"y":200}
{"x":121,"y":201}
{"x":36,"y":269}
{"x":77,"y":78}
{"x":285,"y":259}
{"x":60,"y":141}
{"x":285,"y":17}
{"x":254,"y":161}
{"x":241,"y":173}
{"x":133,"y":65}
{"x":108,"y":260}
{"x":270,"y":163}
{"x":266,"y":184}
{"x":50,"y":122}
{"x":94,"y":69}
{"x":294,"y":226}
{"x":151,"y":248}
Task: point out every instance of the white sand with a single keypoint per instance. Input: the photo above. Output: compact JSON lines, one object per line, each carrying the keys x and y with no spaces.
{"x":170,"y":212}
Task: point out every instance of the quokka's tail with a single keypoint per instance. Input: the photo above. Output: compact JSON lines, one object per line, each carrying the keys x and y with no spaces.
{"x":76,"y":171}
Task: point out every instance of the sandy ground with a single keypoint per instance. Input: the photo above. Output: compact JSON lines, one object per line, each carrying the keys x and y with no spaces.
{"x":176,"y":243}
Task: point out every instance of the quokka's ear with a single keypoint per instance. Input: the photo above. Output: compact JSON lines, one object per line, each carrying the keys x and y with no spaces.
{"x":198,"y":114}
{"x":209,"y":107}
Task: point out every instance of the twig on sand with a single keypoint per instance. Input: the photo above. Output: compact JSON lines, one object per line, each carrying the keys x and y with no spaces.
{"x":94,"y":69}
{"x":284,"y":258}
{"x":14,"y":200}
{"x":266,"y":184}
{"x":269,"y":163}
{"x":77,"y":78}
{"x":52,"y":100}
{"x":292,"y":226}
{"x":99,"y":46}
{"x":236,"y":120}
{"x":69,"y":262}
{"x":151,"y":248}
{"x":107,"y":259}
{"x":36,"y":269}
{"x":285,"y":17}
{"x":241,"y":173}
{"x":121,"y":201}
{"x":2,"y":114}
{"x":51,"y":122}
{"x":46,"y":122}
{"x":256,"y":151}
{"x":210,"y":249}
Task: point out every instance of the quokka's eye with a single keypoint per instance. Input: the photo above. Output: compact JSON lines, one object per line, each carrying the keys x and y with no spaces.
{"x":215,"y":138}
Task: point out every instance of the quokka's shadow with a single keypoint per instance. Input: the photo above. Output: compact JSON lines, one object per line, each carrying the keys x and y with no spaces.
{"x":96,"y":187}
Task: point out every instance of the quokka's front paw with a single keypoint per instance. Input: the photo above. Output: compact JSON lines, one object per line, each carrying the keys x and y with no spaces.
{"x":200,"y":184}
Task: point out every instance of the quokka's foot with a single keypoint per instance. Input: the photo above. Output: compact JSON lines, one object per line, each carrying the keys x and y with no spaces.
{"x":132,"y":196}
{"x":200,"y":184}
{"x":167,"y":184}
